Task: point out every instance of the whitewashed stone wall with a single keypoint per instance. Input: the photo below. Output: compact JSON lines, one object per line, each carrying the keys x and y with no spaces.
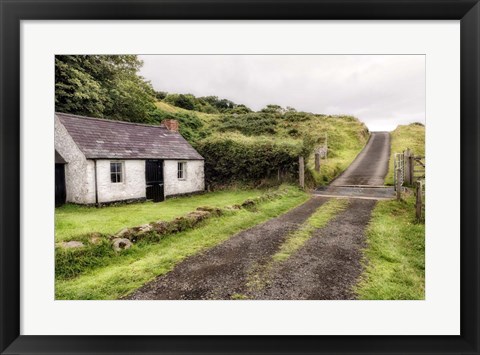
{"x":79,"y":181}
{"x":194,"y":179}
{"x":133,"y":185}
{"x":80,"y":175}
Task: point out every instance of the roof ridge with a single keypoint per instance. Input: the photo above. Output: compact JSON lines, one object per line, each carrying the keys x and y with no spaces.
{"x":114,"y":121}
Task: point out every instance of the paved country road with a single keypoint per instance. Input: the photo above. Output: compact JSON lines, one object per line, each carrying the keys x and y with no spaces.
{"x":371,"y":165}
{"x":326,"y":267}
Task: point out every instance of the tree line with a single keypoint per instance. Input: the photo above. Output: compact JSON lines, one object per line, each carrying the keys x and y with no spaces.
{"x":110,"y":86}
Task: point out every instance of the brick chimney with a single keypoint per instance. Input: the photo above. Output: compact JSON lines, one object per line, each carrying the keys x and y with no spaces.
{"x":171,"y":125}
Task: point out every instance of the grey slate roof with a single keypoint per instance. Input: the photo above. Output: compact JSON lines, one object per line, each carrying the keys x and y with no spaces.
{"x":99,"y":138}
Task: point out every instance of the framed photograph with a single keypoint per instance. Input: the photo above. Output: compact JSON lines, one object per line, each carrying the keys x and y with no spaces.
{"x":239,"y":177}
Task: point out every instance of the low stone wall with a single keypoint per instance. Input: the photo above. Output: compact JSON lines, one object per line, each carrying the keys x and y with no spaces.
{"x":74,"y":257}
{"x":154,"y":231}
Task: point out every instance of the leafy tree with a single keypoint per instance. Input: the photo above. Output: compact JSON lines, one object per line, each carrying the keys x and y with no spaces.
{"x":160,"y":95}
{"x":222,"y":105}
{"x":186,"y":101}
{"x":77,"y":91}
{"x":273,"y":109}
{"x":103,"y":86}
{"x":240,"y":109}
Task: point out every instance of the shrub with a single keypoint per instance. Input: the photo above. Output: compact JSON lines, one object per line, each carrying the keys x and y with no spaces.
{"x":233,"y":157}
{"x":250,"y":124}
{"x":190,"y":124}
{"x":186,"y":101}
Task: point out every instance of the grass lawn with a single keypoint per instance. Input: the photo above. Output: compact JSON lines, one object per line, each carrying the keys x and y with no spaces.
{"x":74,"y":220}
{"x":395,"y":256}
{"x":144,"y":261}
{"x":403,"y":137}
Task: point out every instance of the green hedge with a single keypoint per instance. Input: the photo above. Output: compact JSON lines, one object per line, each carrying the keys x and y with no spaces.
{"x":230,"y":158}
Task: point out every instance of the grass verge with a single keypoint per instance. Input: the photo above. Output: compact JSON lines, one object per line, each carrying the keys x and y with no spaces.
{"x":145,"y":261}
{"x":74,"y":220}
{"x":333,"y":167}
{"x":395,"y":254}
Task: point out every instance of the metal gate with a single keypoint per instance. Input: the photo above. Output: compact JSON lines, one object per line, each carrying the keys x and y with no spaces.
{"x":154,"y":180}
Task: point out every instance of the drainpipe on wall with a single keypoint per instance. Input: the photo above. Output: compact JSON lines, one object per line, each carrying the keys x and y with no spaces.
{"x":96,"y":189}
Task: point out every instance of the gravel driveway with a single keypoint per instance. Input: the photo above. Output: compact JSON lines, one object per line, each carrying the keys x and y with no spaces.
{"x":326,"y":267}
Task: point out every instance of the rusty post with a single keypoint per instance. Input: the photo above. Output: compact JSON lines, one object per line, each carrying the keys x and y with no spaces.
{"x":301,"y":172}
{"x":398,"y":181}
{"x":411,"y":162}
{"x":406,"y":161}
{"x":317,"y":162}
{"x":419,"y":202}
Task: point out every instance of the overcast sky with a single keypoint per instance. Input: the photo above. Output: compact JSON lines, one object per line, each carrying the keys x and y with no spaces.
{"x":382,"y":91}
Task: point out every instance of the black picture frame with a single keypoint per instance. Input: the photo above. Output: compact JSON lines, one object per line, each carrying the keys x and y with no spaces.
{"x":13,"y":12}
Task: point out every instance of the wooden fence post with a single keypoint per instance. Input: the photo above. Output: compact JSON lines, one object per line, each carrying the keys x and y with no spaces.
{"x":411,"y":161}
{"x":398,"y":181}
{"x":301,"y":172}
{"x":317,"y":162}
{"x":407,"y":166}
{"x":419,"y":202}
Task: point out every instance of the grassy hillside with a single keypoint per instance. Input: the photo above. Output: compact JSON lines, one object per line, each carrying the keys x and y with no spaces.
{"x":409,"y":136}
{"x":270,"y":140}
{"x":166,"y":107}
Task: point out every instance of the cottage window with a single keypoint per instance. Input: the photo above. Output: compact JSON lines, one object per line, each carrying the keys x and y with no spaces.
{"x":182,"y":170}
{"x":116,"y":172}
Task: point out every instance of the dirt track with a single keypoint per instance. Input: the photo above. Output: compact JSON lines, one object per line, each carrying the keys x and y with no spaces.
{"x":220,"y":272}
{"x":326,"y":267}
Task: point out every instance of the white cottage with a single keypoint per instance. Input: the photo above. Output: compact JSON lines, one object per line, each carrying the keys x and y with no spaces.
{"x":100,"y":161}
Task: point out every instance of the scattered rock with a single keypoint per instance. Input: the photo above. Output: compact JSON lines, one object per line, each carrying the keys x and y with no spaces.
{"x":161,"y":227}
{"x":71,"y":244}
{"x":123,"y":233}
{"x":179,"y":224}
{"x":95,"y":240}
{"x":197,"y":216}
{"x":121,"y":244}
{"x":138,"y":233}
{"x":145,"y":228}
{"x":213,"y":210}
{"x":248,"y":204}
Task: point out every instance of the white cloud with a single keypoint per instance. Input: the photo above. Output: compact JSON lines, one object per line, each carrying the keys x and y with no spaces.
{"x":382,"y":90}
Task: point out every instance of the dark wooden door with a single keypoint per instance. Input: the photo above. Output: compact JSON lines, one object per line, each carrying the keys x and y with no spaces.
{"x":154,"y":179}
{"x":60,"y":190}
